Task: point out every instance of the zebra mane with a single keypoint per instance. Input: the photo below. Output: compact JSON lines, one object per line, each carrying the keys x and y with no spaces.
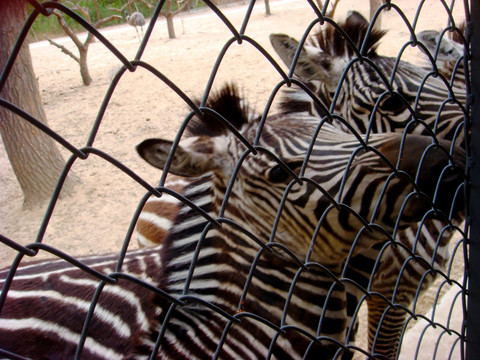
{"x":332,"y":41}
{"x":457,"y":36}
{"x":228,"y":103}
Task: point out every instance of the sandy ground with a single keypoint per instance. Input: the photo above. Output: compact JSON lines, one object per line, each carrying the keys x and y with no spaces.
{"x":96,"y":218}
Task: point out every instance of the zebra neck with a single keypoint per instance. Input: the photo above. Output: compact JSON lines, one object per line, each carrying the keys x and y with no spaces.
{"x":225,"y":268}
{"x":242,"y":280}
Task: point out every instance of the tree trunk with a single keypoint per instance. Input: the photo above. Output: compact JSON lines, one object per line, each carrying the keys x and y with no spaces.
{"x":374,"y":5}
{"x":267,"y":8}
{"x":170,"y":27}
{"x":86,"y":78}
{"x":34,"y":156}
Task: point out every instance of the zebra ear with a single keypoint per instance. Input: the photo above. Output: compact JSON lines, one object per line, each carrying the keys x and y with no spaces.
{"x":189,"y":161}
{"x":355,"y":19}
{"x":312,"y":64}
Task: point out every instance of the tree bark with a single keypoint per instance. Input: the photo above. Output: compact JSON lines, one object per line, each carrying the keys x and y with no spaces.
{"x":374,"y":5}
{"x":34,"y":156}
{"x":170,"y":26}
{"x":168,"y":13}
{"x":267,"y":8}
{"x":82,"y":48}
{"x":86,"y":78}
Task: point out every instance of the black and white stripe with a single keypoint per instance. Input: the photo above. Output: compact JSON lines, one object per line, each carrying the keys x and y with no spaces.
{"x":445,"y":54}
{"x":264,"y":282}
{"x":377,"y":94}
{"x":363,"y":101}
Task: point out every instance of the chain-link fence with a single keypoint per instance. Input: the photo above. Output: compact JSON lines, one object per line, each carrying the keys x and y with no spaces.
{"x":349,"y":261}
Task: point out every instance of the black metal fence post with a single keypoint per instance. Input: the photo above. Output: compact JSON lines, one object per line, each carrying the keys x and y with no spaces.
{"x":473,"y":323}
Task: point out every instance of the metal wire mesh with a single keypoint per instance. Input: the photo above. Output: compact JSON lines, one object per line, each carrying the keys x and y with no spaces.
{"x":433,"y":329}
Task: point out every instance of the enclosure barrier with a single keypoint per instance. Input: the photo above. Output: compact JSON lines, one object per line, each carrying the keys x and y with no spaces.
{"x":466,"y":290}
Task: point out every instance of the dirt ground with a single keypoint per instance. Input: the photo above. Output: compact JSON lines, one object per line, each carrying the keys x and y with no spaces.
{"x":96,"y":217}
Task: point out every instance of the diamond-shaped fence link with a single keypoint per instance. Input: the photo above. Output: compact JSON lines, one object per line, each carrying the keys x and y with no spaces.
{"x":315,"y":202}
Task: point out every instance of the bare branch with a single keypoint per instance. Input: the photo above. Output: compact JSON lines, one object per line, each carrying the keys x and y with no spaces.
{"x":146,"y":3}
{"x":103,"y":21}
{"x":182,"y":7}
{"x":67,"y":29}
{"x":90,"y":38}
{"x":63,"y":49}
{"x":119,"y":10}
{"x":97,"y":9}
{"x":98,"y":25}
{"x":70,"y":4}
{"x":82,"y":10}
{"x":82,"y":48}
{"x":333,"y":7}
{"x":331,"y":13}
{"x":130,"y":2}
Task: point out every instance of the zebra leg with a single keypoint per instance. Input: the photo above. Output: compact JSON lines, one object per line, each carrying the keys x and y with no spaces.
{"x":387,"y":313}
{"x":401,"y":276}
{"x":385,"y":324}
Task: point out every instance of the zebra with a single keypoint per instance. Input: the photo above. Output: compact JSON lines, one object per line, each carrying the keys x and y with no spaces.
{"x":366,"y":99}
{"x":448,"y":54}
{"x":251,"y":280}
{"x":151,"y":216}
{"x":325,"y":260}
{"x":159,"y":213}
{"x":363,"y":108}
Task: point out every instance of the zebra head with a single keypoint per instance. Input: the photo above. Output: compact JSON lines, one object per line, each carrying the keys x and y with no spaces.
{"x":444,"y":48}
{"x":446,"y":53}
{"x":372,"y":93}
{"x":295,"y":181}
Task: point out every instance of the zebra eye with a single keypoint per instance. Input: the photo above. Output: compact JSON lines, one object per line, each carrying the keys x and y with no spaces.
{"x":393,"y":104}
{"x":278,"y":174}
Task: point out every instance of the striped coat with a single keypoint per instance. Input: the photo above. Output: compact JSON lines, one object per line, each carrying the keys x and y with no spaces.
{"x":252,"y":281}
{"x":375,"y":94}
